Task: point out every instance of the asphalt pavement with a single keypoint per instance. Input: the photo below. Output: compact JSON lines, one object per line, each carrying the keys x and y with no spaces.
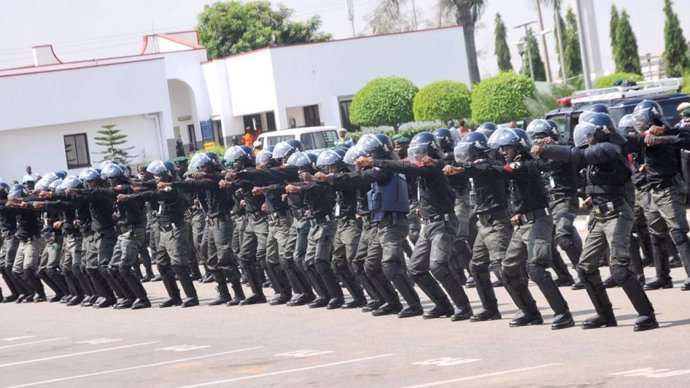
{"x":260,"y":346}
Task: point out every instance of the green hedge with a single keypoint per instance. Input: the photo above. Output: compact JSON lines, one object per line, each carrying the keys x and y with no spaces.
{"x":442,"y":100}
{"x":383,"y":101}
{"x":615,"y":79}
{"x":501,"y":98}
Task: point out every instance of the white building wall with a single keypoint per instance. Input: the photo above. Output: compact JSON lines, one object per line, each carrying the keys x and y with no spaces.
{"x":43,"y":147}
{"x":319,"y":73}
{"x":251,"y":82}
{"x":90,"y":93}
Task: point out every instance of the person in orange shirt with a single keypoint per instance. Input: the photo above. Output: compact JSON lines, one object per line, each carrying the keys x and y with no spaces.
{"x":249,"y":137}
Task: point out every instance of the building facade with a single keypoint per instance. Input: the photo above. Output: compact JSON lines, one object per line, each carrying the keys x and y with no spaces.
{"x":169,"y":91}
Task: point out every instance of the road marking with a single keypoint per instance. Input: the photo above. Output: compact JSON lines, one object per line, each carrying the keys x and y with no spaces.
{"x":287,"y":371}
{"x":182,"y":348}
{"x":77,"y":354}
{"x":468,"y":378}
{"x":652,"y":373}
{"x":18,"y":338}
{"x":32,"y":342}
{"x":100,"y":341}
{"x":303,"y":353}
{"x":105,"y":372}
{"x":447,"y":361}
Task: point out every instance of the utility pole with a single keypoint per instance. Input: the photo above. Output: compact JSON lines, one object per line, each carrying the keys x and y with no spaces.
{"x":559,"y":43}
{"x":351,"y":15}
{"x":584,"y":48}
{"x":529,"y":52}
{"x":547,"y":62}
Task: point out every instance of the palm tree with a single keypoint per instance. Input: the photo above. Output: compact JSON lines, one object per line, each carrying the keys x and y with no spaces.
{"x":467,"y":12}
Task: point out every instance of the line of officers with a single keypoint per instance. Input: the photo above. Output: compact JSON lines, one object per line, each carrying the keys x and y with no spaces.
{"x":377,"y":219}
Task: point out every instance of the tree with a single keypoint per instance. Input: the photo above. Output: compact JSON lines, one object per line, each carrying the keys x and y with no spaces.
{"x":537,"y":63}
{"x":501,"y":45}
{"x":112,"y":140}
{"x":227,"y":28}
{"x":467,"y":12}
{"x":383,"y":101}
{"x":573,"y":60}
{"x":625,"y":54}
{"x":676,"y":60}
{"x":502,"y":98}
{"x":442,"y":100}
{"x":613,"y":25}
{"x":388,"y":17}
{"x":615,"y":79}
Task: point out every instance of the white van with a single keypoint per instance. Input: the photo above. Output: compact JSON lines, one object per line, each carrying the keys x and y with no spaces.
{"x":315,"y":139}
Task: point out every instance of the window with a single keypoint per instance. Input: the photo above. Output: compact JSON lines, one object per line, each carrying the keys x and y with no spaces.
{"x":273,"y":140}
{"x":77,"y":151}
{"x":218,"y":132}
{"x":319,"y":140}
{"x":192,"y":137}
{"x":311,"y":116}
{"x":345,"y":103}
{"x":270,"y":121}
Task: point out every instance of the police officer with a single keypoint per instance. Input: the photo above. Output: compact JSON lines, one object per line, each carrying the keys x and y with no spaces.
{"x":463,"y":211}
{"x":561,"y":183}
{"x":8,"y":250}
{"x":607,"y":176}
{"x":48,"y":269}
{"x":665,"y":185}
{"x":279,"y":222}
{"x":489,"y":198}
{"x":388,"y":206}
{"x":221,"y":261}
{"x":30,"y":244}
{"x":100,"y":243}
{"x":530,"y":243}
{"x":70,"y":264}
{"x":349,"y":230}
{"x":171,"y":254}
{"x":400,"y":147}
{"x":433,"y":252}
{"x":132,"y":234}
{"x":253,"y":250}
{"x":320,"y":201}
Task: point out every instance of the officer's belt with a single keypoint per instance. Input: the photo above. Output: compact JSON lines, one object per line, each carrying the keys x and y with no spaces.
{"x":610,"y":207}
{"x":257,"y":216}
{"x":346,"y":216}
{"x":491,"y":216}
{"x":553,"y":197}
{"x":278,"y":214}
{"x":321,"y":219}
{"x":604,"y":189}
{"x":532,"y":215}
{"x":438,"y":218}
{"x":167,"y":227}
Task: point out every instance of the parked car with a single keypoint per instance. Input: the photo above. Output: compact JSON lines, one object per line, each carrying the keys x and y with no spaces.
{"x":315,"y":139}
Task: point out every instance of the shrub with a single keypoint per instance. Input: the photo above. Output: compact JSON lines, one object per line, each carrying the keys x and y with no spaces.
{"x":442,"y":100}
{"x":501,"y":98}
{"x":383,"y":101}
{"x":615,"y":79}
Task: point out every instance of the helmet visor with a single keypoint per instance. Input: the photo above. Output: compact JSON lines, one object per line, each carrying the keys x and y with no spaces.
{"x":417,"y":152}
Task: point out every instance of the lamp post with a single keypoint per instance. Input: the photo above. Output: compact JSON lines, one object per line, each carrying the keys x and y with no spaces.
{"x":525,"y":42}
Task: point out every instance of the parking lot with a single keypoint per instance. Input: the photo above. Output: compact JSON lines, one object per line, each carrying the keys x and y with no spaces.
{"x":52,"y":345}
